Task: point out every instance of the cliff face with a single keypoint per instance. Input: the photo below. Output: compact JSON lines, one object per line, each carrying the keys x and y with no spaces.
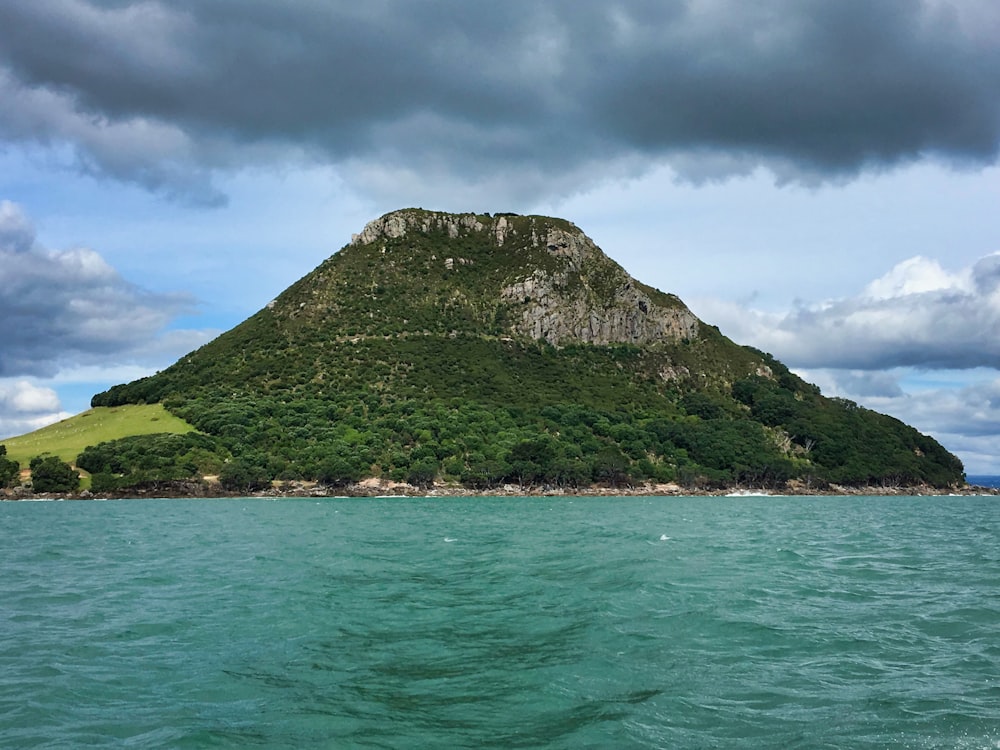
{"x":591,"y":299}
{"x":576,"y":294}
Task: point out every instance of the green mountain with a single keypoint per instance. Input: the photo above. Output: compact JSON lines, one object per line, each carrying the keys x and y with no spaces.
{"x":510,"y":349}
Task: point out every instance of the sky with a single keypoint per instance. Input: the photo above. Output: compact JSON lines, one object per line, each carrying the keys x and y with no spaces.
{"x":819,"y":179}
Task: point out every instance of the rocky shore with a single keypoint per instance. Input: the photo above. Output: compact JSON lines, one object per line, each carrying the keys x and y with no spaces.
{"x":376,"y":488}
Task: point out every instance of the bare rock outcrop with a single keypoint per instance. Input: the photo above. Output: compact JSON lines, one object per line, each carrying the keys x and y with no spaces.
{"x":398,"y":223}
{"x":578,"y":296}
{"x":591,"y":299}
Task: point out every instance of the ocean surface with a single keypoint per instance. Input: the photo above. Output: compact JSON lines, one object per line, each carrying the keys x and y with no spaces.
{"x":669,"y":622}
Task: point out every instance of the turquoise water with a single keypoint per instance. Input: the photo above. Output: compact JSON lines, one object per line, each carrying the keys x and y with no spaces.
{"x":544,"y":622}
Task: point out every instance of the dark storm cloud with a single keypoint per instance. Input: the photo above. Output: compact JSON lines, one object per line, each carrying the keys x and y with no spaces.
{"x":68,"y":306}
{"x":165,"y":93}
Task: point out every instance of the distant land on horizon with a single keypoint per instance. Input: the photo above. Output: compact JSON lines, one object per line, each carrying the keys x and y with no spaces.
{"x":984,"y":480}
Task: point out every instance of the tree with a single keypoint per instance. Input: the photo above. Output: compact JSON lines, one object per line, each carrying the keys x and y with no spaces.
{"x":9,"y":470}
{"x":483,"y":472}
{"x":104,"y":481}
{"x":531,"y":460}
{"x":51,"y":474}
{"x":775,"y":408}
{"x":570,"y":471}
{"x":244,"y":476}
{"x":337,"y":471}
{"x":422,"y":473}
{"x":699,"y":405}
{"x":611,"y":465}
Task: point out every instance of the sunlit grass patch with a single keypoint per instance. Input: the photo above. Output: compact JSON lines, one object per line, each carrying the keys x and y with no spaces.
{"x":66,"y":439}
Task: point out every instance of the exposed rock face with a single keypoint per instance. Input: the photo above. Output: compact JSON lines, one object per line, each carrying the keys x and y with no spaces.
{"x":591,"y":299}
{"x":398,"y":223}
{"x":580,"y":296}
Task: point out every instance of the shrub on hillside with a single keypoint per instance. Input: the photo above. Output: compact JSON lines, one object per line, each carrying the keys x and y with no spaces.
{"x":9,"y":470}
{"x":51,"y":474}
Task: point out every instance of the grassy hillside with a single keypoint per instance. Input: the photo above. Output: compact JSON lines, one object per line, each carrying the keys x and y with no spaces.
{"x":68,"y":438}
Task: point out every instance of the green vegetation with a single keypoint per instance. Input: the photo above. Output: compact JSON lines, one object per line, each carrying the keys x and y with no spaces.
{"x":9,"y":470}
{"x":623,"y":432}
{"x":405,"y":359}
{"x":49,"y":474}
{"x":67,"y":438}
{"x":400,"y":359}
{"x":149,"y":461}
{"x":245,"y":475}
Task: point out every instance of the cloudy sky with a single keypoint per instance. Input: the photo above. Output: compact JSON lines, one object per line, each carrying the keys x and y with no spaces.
{"x":820,"y":179}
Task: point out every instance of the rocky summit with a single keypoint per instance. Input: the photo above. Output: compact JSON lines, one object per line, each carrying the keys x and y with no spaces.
{"x":573,"y":293}
{"x":489,"y":350}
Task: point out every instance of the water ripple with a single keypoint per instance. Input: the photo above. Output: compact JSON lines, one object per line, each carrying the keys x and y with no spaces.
{"x":757,"y":622}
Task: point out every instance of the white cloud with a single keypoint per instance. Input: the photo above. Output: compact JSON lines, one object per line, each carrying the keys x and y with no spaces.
{"x":917,"y":276}
{"x":21,"y":397}
{"x":17,"y":235}
{"x":25,"y":407}
{"x":916,"y":315}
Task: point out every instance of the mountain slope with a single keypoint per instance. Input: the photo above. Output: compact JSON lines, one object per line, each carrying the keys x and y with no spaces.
{"x":490,"y":349}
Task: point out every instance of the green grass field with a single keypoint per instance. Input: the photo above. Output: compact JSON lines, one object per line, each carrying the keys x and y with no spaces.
{"x":68,"y":438}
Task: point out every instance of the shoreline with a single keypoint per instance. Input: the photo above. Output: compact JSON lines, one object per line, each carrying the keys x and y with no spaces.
{"x":375,"y":489}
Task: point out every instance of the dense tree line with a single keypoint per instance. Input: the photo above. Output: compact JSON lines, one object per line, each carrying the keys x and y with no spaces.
{"x":9,"y":470}
{"x":707,"y":442}
{"x":149,"y":460}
